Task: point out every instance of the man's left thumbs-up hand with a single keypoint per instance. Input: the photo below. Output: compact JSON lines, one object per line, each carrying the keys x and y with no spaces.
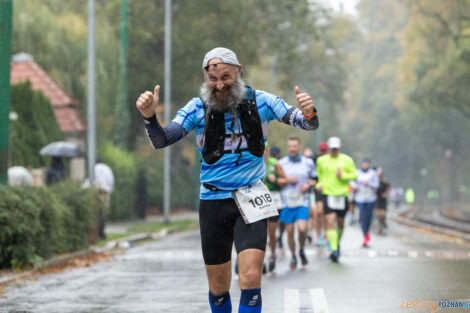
{"x":305,"y":103}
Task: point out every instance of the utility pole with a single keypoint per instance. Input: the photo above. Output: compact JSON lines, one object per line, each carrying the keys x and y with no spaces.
{"x":91,"y":105}
{"x":167,"y":156}
{"x":122,"y":118}
{"x":6,"y":12}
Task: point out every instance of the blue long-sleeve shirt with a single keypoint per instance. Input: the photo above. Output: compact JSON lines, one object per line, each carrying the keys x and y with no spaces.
{"x":225,"y":174}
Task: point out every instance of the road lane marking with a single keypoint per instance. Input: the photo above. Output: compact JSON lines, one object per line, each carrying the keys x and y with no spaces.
{"x":429,"y":254}
{"x":319,"y":300}
{"x":291,"y":300}
{"x":372,"y":254}
{"x":413,"y":254}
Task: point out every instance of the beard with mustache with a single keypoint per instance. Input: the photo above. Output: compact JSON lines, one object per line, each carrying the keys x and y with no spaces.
{"x":228,"y":100}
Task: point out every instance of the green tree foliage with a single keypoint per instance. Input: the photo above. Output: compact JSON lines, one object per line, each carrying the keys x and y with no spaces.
{"x":437,"y":54}
{"x":416,"y":134}
{"x":36,"y":126}
{"x":54,"y":32}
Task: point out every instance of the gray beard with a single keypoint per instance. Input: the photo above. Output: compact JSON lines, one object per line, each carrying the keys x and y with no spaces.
{"x":223,"y":103}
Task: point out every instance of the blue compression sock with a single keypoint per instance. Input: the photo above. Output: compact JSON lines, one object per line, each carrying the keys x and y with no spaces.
{"x":250,"y":301}
{"x":220,"y":303}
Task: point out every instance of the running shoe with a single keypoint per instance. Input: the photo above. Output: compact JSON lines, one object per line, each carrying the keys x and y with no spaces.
{"x":303,"y":257}
{"x":320,"y":241}
{"x":334,"y":256}
{"x":272,"y":262}
{"x":328,"y":245}
{"x":293,"y":262}
{"x":309,"y":238}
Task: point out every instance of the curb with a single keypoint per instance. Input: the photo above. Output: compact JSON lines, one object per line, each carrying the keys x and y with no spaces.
{"x":439,"y":229}
{"x":122,"y":243}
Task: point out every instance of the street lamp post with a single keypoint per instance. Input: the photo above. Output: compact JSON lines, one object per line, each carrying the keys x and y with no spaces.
{"x":167,"y":156}
{"x":91,"y":106}
{"x":6,"y":11}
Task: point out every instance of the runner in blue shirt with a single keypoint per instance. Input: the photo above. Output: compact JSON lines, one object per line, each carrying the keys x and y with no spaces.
{"x":230,"y":121}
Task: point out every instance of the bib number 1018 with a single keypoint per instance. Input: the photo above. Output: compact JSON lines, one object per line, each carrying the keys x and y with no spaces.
{"x":260,"y":200}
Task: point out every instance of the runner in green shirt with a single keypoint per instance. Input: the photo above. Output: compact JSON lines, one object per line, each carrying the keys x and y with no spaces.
{"x":275,"y":180}
{"x":335,"y":170}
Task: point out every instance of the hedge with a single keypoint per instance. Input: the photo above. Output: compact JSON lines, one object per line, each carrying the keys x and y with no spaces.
{"x":38,"y":222}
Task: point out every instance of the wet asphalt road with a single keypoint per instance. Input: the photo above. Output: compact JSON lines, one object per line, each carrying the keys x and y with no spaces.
{"x":168,"y":276}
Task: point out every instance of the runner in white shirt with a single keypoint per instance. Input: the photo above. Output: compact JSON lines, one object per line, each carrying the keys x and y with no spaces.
{"x":299,"y":171}
{"x":367,"y":183}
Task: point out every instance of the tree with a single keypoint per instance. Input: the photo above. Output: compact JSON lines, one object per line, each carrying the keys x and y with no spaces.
{"x":436,"y":58}
{"x":36,"y":126}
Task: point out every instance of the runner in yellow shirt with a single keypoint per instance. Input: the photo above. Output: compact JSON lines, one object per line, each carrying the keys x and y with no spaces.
{"x":335,"y":170}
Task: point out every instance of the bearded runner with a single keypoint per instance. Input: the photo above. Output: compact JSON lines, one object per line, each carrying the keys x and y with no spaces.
{"x":230,"y":121}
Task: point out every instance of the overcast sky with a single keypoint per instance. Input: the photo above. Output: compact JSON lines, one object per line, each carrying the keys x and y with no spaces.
{"x":348,"y":5}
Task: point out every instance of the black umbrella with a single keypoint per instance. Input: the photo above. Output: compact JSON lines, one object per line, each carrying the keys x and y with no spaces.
{"x":63,"y":149}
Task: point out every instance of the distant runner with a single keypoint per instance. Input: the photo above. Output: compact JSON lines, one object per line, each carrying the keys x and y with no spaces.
{"x":382,"y":201}
{"x":335,"y":170}
{"x":275,"y":180}
{"x":367,"y":183}
{"x":319,"y":225}
{"x":300,"y":172}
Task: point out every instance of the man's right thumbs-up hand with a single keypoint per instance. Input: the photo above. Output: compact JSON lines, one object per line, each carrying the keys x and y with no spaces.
{"x":147,"y":102}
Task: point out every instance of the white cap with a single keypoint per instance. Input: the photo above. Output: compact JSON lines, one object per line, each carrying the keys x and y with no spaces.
{"x":334,"y":143}
{"x":226,"y":55}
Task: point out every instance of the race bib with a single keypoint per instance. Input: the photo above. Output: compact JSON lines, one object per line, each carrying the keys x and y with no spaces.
{"x":365,"y":192}
{"x":277,"y":199}
{"x":254,"y":202}
{"x":294,"y":198}
{"x":336,"y":202}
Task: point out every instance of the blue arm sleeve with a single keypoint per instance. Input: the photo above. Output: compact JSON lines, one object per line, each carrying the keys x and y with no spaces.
{"x":294,"y":117}
{"x":159,"y":136}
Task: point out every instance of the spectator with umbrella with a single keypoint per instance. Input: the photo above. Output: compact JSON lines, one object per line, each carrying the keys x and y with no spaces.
{"x":58,"y":150}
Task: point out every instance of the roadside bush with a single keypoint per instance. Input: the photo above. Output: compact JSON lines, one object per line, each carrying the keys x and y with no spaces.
{"x":37,"y":222}
{"x":82,"y":206}
{"x":19,"y":226}
{"x":50,"y":237}
{"x":124,"y":167}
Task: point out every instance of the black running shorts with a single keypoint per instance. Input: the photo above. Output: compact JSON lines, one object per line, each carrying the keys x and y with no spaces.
{"x":318,"y":196}
{"x":327,"y":210}
{"x":275,"y":218}
{"x":221,"y":225}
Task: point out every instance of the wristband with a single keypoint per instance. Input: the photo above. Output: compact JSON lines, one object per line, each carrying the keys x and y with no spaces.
{"x":309,"y":117}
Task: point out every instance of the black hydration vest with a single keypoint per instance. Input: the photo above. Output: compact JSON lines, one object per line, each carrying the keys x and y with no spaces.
{"x":214,"y":141}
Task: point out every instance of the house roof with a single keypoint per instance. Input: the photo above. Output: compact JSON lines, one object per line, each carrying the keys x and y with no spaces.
{"x":66,"y":109}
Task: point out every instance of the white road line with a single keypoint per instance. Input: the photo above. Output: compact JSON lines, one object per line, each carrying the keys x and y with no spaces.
{"x":393,"y":253}
{"x":291,"y":300}
{"x":413,"y":254}
{"x":372,"y":254}
{"x":319,"y":300}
